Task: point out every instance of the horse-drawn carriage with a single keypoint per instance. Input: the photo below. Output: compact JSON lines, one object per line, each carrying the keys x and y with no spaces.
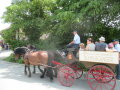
{"x":100,"y":73}
{"x":101,"y":69}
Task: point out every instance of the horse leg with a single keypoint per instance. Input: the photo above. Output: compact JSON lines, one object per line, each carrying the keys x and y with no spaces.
{"x":43,"y":74}
{"x":29,"y":71}
{"x":55,"y":72}
{"x":40,"y":69}
{"x":25,"y":70}
{"x":50,"y":73}
{"x":34,"y":70}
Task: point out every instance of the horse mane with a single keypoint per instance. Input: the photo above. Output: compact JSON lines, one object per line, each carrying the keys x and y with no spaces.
{"x":21,"y":50}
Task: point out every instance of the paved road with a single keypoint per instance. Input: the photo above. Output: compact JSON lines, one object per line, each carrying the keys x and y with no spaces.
{"x":13,"y":78}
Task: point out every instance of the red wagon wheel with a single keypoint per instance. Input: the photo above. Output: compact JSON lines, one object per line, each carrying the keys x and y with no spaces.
{"x":77,"y":70}
{"x":66,"y":76}
{"x":101,"y":77}
{"x":78,"y":73}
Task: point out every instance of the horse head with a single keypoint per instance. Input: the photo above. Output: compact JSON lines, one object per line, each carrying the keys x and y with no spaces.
{"x":20,"y":52}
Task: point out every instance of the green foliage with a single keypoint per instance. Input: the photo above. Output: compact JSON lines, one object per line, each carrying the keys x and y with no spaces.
{"x":10,"y":37}
{"x":78,"y":65}
{"x":11,"y":58}
{"x":91,"y":18}
{"x":51,"y":43}
{"x":20,"y":61}
{"x":29,"y":16}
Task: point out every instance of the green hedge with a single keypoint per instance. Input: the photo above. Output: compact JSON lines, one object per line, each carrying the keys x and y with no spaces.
{"x":11,"y":58}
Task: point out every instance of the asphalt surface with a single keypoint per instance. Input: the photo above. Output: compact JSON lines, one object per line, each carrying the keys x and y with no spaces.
{"x":12,"y":78}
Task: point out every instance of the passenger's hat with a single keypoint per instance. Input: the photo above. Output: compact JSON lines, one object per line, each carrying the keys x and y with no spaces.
{"x":102,"y":39}
{"x":110,"y":45}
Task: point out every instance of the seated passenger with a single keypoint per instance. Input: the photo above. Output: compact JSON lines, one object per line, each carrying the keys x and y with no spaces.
{"x":74,"y":43}
{"x":117,"y":45}
{"x":101,"y":46}
{"x":90,"y":45}
{"x":110,"y":48}
{"x":82,"y":47}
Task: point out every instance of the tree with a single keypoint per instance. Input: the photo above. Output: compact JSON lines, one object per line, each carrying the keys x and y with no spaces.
{"x":91,"y":18}
{"x":30,"y":15}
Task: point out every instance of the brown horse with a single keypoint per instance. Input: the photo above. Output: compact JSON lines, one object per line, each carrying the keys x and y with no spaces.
{"x":43,"y":58}
{"x":20,"y":52}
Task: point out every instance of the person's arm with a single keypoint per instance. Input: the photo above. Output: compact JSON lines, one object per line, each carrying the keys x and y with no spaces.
{"x":87,"y":47}
{"x":72,"y":42}
{"x":107,"y":49}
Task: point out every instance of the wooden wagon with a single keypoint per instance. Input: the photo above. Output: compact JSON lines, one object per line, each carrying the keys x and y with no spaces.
{"x":101,"y":72}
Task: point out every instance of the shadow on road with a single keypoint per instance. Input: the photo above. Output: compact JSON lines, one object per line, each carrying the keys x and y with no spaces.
{"x":15,"y":72}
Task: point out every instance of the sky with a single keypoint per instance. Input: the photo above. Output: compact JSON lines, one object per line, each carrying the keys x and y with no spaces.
{"x":3,"y":5}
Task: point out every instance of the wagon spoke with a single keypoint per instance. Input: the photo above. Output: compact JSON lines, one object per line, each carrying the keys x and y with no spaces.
{"x":108,"y":75}
{"x":109,"y":84}
{"x":66,"y":76}
{"x":101,"y":77}
{"x":91,"y":78}
{"x":94,"y":83}
{"x":113,"y":80}
{"x":108,"y":79}
{"x":101,"y":86}
{"x":105,"y":86}
{"x":96,"y":86}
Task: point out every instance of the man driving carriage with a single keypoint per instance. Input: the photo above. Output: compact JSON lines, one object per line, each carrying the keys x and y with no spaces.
{"x":75,"y":43}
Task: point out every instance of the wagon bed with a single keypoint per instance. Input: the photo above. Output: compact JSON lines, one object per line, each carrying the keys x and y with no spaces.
{"x":101,"y":73}
{"x":90,"y":58}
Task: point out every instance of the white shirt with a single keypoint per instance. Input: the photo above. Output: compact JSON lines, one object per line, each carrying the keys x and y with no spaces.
{"x":117,"y":47}
{"x":76,"y":39}
{"x":90,"y":47}
{"x":110,"y":49}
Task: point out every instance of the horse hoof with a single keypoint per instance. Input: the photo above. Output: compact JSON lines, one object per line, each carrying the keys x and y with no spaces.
{"x":33,"y":72}
{"x":51,"y":79}
{"x":29,"y":75}
{"x":41,"y":76}
{"x":25,"y":73}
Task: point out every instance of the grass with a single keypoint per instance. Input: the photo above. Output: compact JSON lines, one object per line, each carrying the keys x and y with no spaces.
{"x":11,"y":58}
